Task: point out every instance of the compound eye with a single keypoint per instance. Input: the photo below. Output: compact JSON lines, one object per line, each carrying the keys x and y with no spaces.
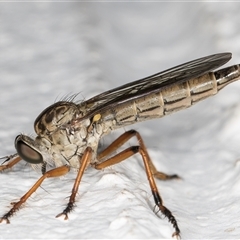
{"x":27,"y":153}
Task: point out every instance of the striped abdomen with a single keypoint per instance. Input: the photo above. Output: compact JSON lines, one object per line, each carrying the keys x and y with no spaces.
{"x":170,"y":99}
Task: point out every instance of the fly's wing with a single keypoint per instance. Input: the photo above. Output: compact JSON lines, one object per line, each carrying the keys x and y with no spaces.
{"x":154,"y":83}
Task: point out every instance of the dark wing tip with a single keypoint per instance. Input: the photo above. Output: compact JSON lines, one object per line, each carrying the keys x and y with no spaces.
{"x":224,"y":56}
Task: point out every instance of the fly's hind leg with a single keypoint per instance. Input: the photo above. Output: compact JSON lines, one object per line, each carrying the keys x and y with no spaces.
{"x":123,"y":139}
{"x":161,"y":175}
{"x":149,"y":167}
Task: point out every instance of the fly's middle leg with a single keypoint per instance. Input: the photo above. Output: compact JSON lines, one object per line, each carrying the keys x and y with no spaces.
{"x":149,"y":167}
{"x":84,"y":163}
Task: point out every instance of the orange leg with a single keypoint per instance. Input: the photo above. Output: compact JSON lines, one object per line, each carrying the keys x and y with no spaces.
{"x":14,"y":159}
{"x":150,"y":169}
{"x":123,"y":139}
{"x":83,"y":164}
{"x":57,"y":172}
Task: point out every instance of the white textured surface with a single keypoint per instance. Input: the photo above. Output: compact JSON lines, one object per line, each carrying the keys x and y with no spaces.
{"x":49,"y":50}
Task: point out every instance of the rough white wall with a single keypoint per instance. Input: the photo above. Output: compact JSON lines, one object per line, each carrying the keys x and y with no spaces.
{"x":50,"y":50}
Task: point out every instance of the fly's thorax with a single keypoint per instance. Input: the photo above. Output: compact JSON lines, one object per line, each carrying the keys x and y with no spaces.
{"x":69,"y":142}
{"x":63,"y":134}
{"x":84,"y":133}
{"x":55,"y":116}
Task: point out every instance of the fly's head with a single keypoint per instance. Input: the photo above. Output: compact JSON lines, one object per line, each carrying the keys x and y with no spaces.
{"x":30,"y":150}
{"x":37,"y":152}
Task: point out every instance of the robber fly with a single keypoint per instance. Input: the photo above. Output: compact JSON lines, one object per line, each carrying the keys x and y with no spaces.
{"x":68,"y":133}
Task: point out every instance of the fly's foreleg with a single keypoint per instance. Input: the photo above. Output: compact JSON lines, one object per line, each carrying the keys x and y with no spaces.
{"x":150,"y":169}
{"x":57,"y":172}
{"x":12,"y":160}
{"x":83,"y":164}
